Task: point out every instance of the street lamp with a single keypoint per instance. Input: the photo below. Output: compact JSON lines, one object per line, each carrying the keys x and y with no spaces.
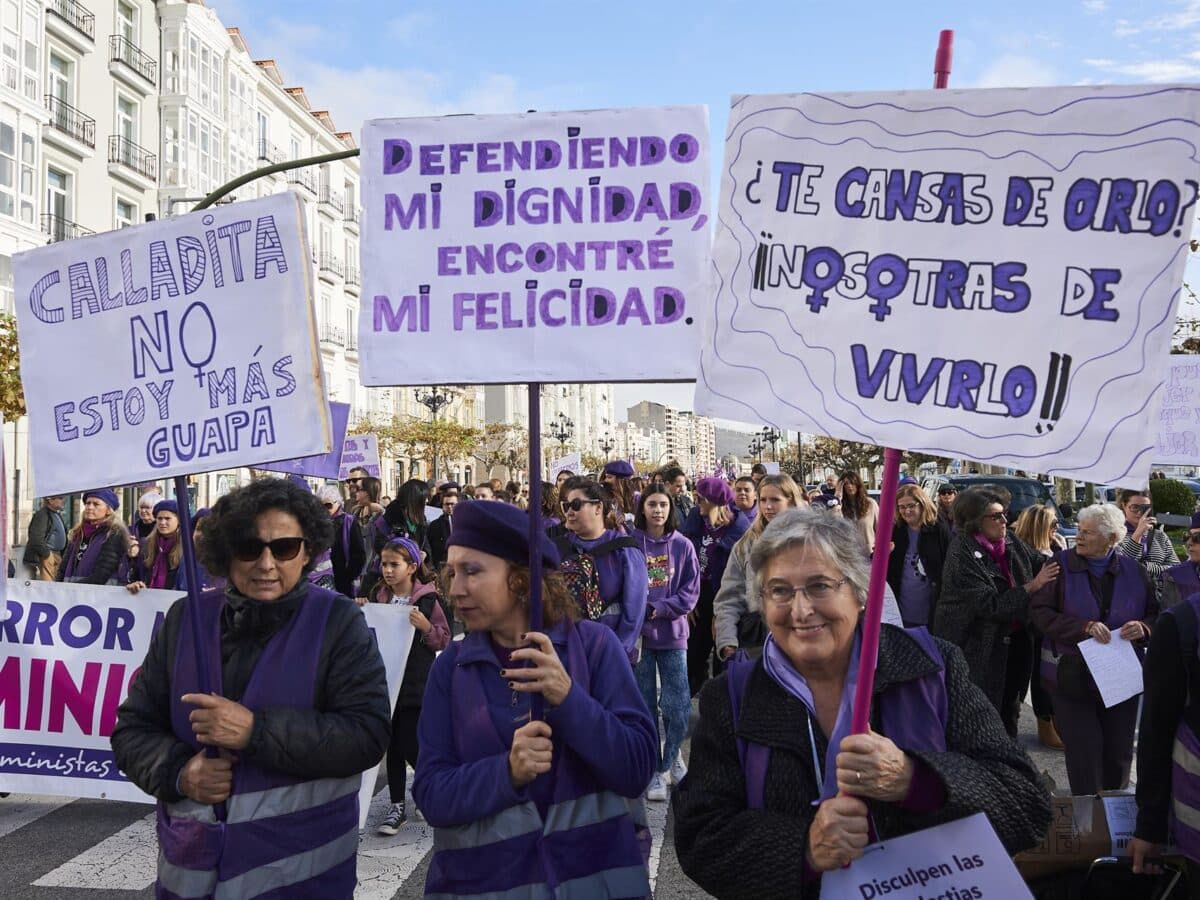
{"x":606,"y":446}
{"x":692,"y":457}
{"x":756,"y":447}
{"x":562,"y":429}
{"x":433,"y":400}
{"x":771,"y":436}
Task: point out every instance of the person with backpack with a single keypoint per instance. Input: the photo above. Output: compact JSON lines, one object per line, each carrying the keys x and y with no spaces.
{"x":348,"y":555}
{"x":674,"y":581}
{"x":407,"y":581}
{"x":604,"y":568}
{"x":779,"y":792}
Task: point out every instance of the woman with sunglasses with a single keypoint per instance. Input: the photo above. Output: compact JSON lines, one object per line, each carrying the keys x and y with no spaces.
{"x":1143,"y":541}
{"x":1099,"y":595}
{"x":987,"y":581}
{"x":295,"y":705}
{"x":778,"y":792}
{"x":521,"y":807}
{"x":408,"y":582}
{"x":1183,"y":580}
{"x":919,"y":545}
{"x":595,"y":541}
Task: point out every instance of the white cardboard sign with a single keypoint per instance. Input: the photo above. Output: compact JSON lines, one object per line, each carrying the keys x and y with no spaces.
{"x":560,"y":246}
{"x":1179,"y":415}
{"x":181,"y":346}
{"x":988,"y":274}
{"x":572,"y":462}
{"x":360,"y":451}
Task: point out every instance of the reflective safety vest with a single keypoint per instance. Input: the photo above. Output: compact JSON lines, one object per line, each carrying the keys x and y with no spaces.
{"x":590,"y":843}
{"x":294,"y":836}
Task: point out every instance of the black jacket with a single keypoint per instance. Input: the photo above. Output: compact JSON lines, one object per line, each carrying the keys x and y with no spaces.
{"x":438,"y":535}
{"x":932,"y":543}
{"x":735,"y":852}
{"x":346,"y":733}
{"x":116,"y":546}
{"x":41,"y":526}
{"x":348,"y":561}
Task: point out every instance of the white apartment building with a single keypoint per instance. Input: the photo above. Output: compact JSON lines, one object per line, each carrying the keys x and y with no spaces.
{"x":644,"y":445}
{"x":587,"y":409}
{"x":689,"y":439}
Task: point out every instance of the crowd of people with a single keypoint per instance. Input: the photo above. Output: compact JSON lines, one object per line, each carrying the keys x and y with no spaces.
{"x":742,"y":595}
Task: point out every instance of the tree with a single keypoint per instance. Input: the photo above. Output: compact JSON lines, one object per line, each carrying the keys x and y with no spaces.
{"x":416,"y":438}
{"x":592,"y":462}
{"x":915,"y":460}
{"x":12,"y":393}
{"x":501,"y":444}
{"x":830,"y":453}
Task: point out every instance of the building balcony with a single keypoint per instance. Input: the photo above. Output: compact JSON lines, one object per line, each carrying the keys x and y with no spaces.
{"x":350,"y":217}
{"x":127,"y":62}
{"x":351,"y":344}
{"x":331,"y":202}
{"x":73,"y":23}
{"x":353,"y":279}
{"x":60,"y":229}
{"x":132,"y":163}
{"x":269,"y":153}
{"x":77,"y":131}
{"x":330,"y":267}
{"x":332,"y":335}
{"x":303,"y":177}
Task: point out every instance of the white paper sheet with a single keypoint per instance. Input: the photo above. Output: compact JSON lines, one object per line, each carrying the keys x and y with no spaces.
{"x":1115,"y":668}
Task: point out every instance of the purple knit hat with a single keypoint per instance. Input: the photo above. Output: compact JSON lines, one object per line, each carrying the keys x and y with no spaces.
{"x":715,"y":490}
{"x":499,"y":529}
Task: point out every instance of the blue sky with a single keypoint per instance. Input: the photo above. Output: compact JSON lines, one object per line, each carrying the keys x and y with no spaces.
{"x":374,"y":59}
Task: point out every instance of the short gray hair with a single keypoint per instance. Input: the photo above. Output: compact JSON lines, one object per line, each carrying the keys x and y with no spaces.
{"x":329,"y":494}
{"x":1109,"y":519}
{"x":836,"y":538}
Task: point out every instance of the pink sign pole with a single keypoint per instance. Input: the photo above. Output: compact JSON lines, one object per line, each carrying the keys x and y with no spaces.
{"x":860,"y":720}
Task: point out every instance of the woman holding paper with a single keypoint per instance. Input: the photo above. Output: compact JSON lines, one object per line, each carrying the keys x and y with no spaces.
{"x":295,"y":704}
{"x":1103,"y":596}
{"x":778,"y":792}
{"x":527,"y":808}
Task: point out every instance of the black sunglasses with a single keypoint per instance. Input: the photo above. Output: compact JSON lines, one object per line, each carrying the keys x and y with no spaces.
{"x":577,"y":504}
{"x":329,"y":505}
{"x":282,"y":549}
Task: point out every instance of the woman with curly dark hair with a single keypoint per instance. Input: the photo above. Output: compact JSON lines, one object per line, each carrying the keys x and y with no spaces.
{"x":296,"y":707}
{"x":519,"y":806}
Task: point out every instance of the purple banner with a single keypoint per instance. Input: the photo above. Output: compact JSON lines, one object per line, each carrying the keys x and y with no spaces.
{"x":325,"y":465}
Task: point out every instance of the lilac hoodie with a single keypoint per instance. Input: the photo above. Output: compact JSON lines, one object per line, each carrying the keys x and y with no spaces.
{"x":674,"y":577}
{"x":622,"y":576}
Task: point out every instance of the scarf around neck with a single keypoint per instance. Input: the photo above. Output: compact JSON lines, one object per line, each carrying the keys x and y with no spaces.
{"x":162,"y":564}
{"x":999,"y":555}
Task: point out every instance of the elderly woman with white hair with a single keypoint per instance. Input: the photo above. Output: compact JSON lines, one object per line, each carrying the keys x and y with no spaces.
{"x":348,"y":556}
{"x":1100,"y":595}
{"x":774,"y":769}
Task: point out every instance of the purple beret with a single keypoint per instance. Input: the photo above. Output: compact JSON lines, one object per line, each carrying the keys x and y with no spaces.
{"x":715,"y":490}
{"x":107,"y":495}
{"x":619,"y":468}
{"x":166,"y":506}
{"x":499,"y":529}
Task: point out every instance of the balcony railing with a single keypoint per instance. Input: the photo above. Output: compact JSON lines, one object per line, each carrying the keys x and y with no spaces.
{"x":61,"y":229}
{"x":74,"y":14}
{"x":351,"y":342}
{"x":350,"y":216}
{"x":353,"y":278}
{"x":123,"y":50}
{"x":268,"y":152}
{"x":330,"y":263}
{"x":331,"y":199}
{"x":125,"y":152}
{"x":333,"y":335}
{"x":303,"y":177}
{"x":70,"y":121}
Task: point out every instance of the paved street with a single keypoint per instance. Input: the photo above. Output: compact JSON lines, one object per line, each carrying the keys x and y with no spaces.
{"x":53,"y":847}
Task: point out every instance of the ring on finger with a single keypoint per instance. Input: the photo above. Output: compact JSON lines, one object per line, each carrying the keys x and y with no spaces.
{"x":858,"y":777}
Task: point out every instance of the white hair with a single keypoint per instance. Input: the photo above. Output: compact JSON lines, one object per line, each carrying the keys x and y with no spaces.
{"x":1109,"y":520}
{"x":150,"y":499}
{"x":329,"y":494}
{"x":837,"y":539}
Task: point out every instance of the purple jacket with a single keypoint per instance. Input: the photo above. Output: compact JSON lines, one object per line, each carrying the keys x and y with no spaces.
{"x":716,"y":552}
{"x":622,"y":576}
{"x":674,"y":577}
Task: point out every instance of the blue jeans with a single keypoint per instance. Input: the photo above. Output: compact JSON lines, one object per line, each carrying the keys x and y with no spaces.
{"x":675,"y":701}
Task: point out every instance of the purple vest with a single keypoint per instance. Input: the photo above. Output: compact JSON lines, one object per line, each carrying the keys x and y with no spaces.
{"x":281,"y":832}
{"x":593,"y":838}
{"x":1128,"y":603}
{"x":77,"y":567}
{"x":1185,"y":578}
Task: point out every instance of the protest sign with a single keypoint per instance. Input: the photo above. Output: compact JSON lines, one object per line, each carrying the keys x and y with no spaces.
{"x":360,"y":451}
{"x":67,"y":655}
{"x":1179,"y":415}
{"x":181,"y":346}
{"x":394,"y":635}
{"x":982,"y":274}
{"x":572,"y":462}
{"x":560,"y":246}
{"x":323,"y":465}
{"x":962,"y":859}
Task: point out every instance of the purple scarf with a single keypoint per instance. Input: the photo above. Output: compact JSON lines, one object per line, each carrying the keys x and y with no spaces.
{"x":83,"y":552}
{"x":783,"y":673}
{"x":1129,"y":530}
{"x":999,"y":555}
{"x":162,"y":553}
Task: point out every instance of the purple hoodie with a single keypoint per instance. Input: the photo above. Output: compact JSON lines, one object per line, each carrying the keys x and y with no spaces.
{"x":622,"y":576}
{"x":674,"y":577}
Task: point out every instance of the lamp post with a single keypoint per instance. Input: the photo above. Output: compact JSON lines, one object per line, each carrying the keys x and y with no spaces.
{"x":562,"y":429}
{"x":771,"y":436}
{"x":433,"y":400}
{"x":756,"y":447}
{"x":606,"y":446}
{"x":692,"y":457}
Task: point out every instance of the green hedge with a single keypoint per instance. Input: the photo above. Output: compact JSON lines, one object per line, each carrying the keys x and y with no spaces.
{"x":1170,"y":496}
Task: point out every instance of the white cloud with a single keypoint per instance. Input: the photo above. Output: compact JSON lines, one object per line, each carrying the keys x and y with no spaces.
{"x":1156,"y":71}
{"x":1017,"y":71}
{"x":406,"y":27}
{"x":1185,"y":15}
{"x":1095,"y":6}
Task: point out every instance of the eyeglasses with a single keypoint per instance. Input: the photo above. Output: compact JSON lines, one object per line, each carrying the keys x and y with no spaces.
{"x":782,"y":594}
{"x":329,"y":505}
{"x":1140,"y":507}
{"x":996,"y":517}
{"x":907,"y":507}
{"x":577,"y":504}
{"x":1192,"y":538}
{"x":354,"y":481}
{"x":282,"y":549}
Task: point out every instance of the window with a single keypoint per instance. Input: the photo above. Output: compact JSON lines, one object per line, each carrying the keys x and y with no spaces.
{"x":127,"y":22}
{"x":125,"y":214}
{"x":8,"y":169}
{"x":264,"y":128}
{"x":60,"y":78}
{"x":127,"y":119}
{"x":58,"y":195}
{"x":28,"y":161}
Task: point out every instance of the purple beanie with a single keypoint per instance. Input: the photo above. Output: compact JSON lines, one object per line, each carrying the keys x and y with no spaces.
{"x":499,"y":529}
{"x":166,"y":506}
{"x":107,"y":495}
{"x":715,"y":490}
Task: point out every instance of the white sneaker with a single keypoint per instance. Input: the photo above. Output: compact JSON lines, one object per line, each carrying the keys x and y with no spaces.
{"x":678,"y":769}
{"x":658,"y":788}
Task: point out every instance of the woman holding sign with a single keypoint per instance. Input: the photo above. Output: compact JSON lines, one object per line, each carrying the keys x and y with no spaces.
{"x":297,"y":708}
{"x":96,"y":545}
{"x":522,"y":807}
{"x":779,"y":792}
{"x":1103,"y":596}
